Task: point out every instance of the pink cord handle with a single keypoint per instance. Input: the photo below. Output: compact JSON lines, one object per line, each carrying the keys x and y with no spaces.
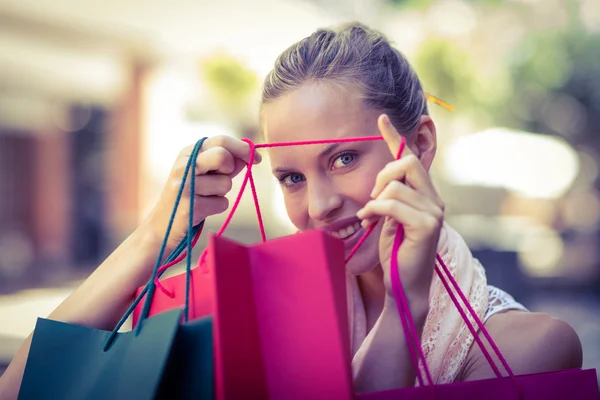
{"x":477,"y":321}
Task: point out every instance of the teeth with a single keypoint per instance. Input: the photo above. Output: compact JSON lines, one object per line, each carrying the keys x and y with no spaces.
{"x":347,"y":231}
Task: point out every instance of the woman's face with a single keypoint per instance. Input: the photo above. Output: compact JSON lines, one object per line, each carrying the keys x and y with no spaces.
{"x":325,"y":185}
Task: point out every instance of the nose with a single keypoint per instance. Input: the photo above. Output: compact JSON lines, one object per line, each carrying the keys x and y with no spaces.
{"x":323,"y":199}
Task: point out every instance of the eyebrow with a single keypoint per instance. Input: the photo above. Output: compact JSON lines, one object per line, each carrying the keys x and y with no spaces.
{"x":325,"y":152}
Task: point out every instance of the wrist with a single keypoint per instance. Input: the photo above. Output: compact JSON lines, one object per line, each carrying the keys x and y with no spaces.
{"x":418,"y":305}
{"x":148,"y":240}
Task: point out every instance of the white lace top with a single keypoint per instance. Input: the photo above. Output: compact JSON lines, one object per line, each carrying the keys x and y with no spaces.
{"x":500,"y":301}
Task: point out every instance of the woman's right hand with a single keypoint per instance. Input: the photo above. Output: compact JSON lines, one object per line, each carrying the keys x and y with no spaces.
{"x":220,"y":159}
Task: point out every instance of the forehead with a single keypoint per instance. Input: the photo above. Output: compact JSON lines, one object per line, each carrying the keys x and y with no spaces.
{"x":315,"y":112}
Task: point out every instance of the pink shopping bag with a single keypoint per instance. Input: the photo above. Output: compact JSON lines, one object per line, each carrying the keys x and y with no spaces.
{"x":565,"y":385}
{"x":279,"y":321}
{"x":280,"y":324}
{"x":569,"y":384}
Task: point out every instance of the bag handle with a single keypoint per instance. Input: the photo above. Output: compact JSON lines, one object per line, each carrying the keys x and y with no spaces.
{"x":150,"y":287}
{"x":404,"y":310}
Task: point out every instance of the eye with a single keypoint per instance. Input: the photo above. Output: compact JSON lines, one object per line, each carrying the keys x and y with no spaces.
{"x":291,"y":179}
{"x":344,"y":160}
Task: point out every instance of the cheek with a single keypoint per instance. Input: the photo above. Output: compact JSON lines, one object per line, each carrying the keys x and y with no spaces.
{"x":361,"y":188}
{"x":296,"y":211}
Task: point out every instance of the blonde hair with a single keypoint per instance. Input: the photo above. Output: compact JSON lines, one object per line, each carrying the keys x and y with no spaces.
{"x":356,"y":55}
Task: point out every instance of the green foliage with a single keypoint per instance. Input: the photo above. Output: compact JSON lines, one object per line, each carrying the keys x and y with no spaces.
{"x":229,"y":79}
{"x":550,"y":77}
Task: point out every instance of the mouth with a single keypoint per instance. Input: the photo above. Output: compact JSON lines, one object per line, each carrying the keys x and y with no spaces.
{"x":347,"y":232}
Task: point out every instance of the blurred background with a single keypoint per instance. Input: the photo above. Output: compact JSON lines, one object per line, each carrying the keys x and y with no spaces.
{"x":98,"y":97}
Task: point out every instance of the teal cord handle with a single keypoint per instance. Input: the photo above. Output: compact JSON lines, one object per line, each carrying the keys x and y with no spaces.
{"x":150,"y":287}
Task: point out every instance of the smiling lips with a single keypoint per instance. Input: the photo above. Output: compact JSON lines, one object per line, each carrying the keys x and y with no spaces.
{"x":347,"y":231}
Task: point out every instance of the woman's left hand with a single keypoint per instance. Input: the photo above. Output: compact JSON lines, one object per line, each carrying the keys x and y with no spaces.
{"x":404,"y":194}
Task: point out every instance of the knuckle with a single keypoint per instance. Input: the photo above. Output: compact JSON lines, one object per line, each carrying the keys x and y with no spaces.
{"x":183,"y":152}
{"x":180,"y":164}
{"x":390,"y":168}
{"x":227,"y":184}
{"x":220,"y":154}
{"x":383,"y":175}
{"x":390,"y":206}
{"x":442,"y":211}
{"x":395,"y":186}
{"x":223,"y":204}
{"x":440,"y":215}
{"x":430,"y":222}
{"x":174,"y":184}
{"x":441,"y":205}
{"x":392,"y":190}
{"x":412,"y":160}
{"x":219,"y":141}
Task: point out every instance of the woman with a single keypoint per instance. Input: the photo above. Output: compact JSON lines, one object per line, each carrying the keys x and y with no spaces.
{"x":346,"y":83}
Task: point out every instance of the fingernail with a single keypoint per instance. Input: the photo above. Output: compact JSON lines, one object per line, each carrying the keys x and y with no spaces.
{"x":365,"y":224}
{"x":360,"y":213}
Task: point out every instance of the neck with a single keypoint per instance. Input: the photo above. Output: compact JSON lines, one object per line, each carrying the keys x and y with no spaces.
{"x":372,"y":291}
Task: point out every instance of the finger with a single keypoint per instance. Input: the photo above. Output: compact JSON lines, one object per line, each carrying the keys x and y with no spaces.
{"x":186,"y":151}
{"x":239,"y":166}
{"x":391,"y":136}
{"x":401,"y":213}
{"x":398,"y":191}
{"x":212,"y":185}
{"x":207,"y":206}
{"x":410,"y":171}
{"x":367,"y":222}
{"x":236,"y":147}
{"x":217,"y":160}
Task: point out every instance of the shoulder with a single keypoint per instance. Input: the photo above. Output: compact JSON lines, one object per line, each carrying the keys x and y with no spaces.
{"x":530,"y":343}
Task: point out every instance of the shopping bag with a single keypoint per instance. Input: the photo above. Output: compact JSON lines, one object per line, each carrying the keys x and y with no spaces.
{"x":68,"y":362}
{"x":160,"y":359}
{"x":562,"y":385}
{"x":165,"y":360}
{"x":281,"y":328}
{"x":558,"y":385}
{"x":279,"y":321}
{"x":189,"y":374}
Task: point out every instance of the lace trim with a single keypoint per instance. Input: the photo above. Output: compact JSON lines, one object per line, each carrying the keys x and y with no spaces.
{"x":441,"y":350}
{"x":500,"y":301}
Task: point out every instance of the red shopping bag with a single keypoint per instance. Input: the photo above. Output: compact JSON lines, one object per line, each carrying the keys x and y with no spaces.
{"x":171,"y":295}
